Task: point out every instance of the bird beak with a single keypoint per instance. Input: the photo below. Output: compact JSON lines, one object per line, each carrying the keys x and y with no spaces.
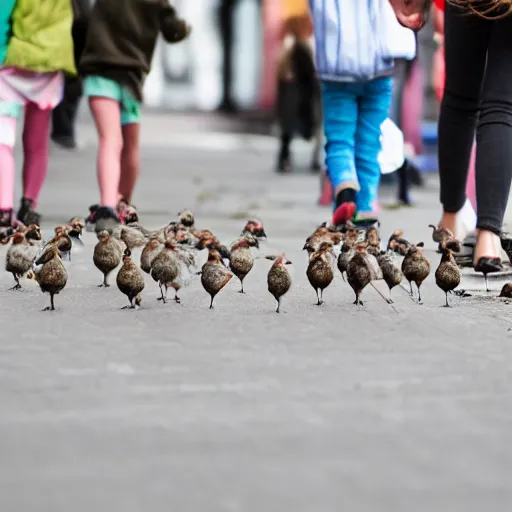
{"x":288,"y":262}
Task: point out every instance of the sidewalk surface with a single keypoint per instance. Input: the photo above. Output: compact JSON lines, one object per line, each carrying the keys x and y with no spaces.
{"x":374,"y":408}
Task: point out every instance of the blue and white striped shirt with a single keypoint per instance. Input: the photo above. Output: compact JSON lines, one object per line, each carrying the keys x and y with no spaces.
{"x":352,"y":39}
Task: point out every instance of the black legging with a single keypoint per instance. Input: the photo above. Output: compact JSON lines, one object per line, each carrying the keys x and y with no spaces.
{"x":478,"y":94}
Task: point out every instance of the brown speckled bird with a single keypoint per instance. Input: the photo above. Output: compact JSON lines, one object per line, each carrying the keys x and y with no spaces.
{"x":373,"y":239}
{"x":151,"y":250}
{"x":362,"y":269}
{"x":278,"y":279}
{"x":320,"y":270}
{"x":20,"y":257}
{"x":390,"y":272}
{"x":241,"y":259}
{"x":506,"y":291}
{"x":214,"y":275}
{"x":346,"y":254}
{"x":321,"y":235}
{"x":186,"y":217}
{"x":52,"y":276}
{"x":254,"y":227}
{"x":448,"y":272}
{"x":416,"y":267}
{"x":165,"y":269}
{"x":132,"y":237}
{"x":107,"y":255}
{"x":130,"y":280}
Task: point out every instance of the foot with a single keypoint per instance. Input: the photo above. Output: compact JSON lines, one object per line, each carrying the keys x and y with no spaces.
{"x":345,"y":206}
{"x":227,"y":106}
{"x":284,"y":164}
{"x":15,"y":287}
{"x":64,"y":141}
{"x":49,"y":308}
{"x":105,"y":219}
{"x":487,"y":246}
{"x":461,"y":223}
{"x":26,"y":213}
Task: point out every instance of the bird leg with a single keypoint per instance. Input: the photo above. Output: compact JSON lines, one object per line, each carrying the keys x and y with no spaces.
{"x":17,"y":286}
{"x":278,"y":305}
{"x":343,"y":276}
{"x":211,"y":302}
{"x":104,"y":284}
{"x":241,"y":289}
{"x":176,"y":298}
{"x":319,"y":303}
{"x":52,"y":305}
{"x":447,"y":305}
{"x":419,"y":294}
{"x":411,"y":293}
{"x":131,"y":306}
{"x":162,"y":298}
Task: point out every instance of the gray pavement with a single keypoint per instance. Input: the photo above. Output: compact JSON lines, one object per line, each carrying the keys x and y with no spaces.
{"x":239,"y":409}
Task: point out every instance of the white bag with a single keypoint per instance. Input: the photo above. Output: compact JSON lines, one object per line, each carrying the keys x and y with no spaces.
{"x":391,"y":156}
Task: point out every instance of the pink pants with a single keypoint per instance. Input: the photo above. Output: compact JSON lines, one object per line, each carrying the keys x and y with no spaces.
{"x":35,"y":150}
{"x":438,"y":82}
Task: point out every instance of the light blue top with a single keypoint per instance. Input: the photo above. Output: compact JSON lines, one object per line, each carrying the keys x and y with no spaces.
{"x":352,"y":39}
{"x":6,"y":8}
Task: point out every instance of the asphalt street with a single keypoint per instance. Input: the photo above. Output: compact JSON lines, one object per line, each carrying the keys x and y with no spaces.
{"x":176,"y":407}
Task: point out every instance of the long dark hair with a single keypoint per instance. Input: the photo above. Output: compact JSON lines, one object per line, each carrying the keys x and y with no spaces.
{"x":488,"y":9}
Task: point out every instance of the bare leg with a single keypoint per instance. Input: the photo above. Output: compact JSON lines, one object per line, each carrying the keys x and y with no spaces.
{"x":130,"y":161}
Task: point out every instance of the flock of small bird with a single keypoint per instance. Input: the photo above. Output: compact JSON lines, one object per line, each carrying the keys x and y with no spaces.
{"x":170,"y":256}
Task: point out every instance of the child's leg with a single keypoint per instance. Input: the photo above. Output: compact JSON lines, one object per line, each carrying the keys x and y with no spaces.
{"x":130,"y":161}
{"x":373,"y":110}
{"x":36,"y":132}
{"x":7,"y":168}
{"x":130,"y":155}
{"x":107,"y":116}
{"x":340,"y":121}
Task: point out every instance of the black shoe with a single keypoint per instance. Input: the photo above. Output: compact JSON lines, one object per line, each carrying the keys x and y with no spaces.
{"x":488,"y":266}
{"x":64,"y":141}
{"x":105,"y":219}
{"x":26,"y":213}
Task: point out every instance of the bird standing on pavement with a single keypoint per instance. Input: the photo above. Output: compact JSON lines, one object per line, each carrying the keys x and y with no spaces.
{"x":151,"y":250}
{"x":320,"y":270}
{"x":52,"y":276}
{"x":362,"y":269}
{"x":214,"y":275}
{"x":241,"y":259}
{"x":107,"y":255}
{"x":416,"y":267}
{"x":390,"y":272}
{"x":165,"y":269}
{"x":448,"y":273}
{"x":278,"y":279}
{"x":130,"y":280}
{"x":346,"y":254}
{"x":20,"y":257}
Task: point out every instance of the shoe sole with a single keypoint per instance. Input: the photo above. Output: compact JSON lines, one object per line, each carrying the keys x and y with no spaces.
{"x":343,"y":213}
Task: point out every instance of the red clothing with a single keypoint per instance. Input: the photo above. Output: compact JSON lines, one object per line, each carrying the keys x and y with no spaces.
{"x":439,"y":4}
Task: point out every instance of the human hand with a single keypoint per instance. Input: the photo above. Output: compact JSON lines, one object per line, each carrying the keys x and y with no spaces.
{"x":411,"y":13}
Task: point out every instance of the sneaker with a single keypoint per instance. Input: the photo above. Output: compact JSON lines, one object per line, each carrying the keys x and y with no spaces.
{"x":106,"y":219}
{"x":345,"y":206}
{"x":26,"y":213}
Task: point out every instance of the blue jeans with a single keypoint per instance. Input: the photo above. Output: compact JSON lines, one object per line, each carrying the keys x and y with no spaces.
{"x":353,"y":113}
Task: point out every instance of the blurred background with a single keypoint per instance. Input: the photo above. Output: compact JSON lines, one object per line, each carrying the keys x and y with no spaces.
{"x":229,"y":66}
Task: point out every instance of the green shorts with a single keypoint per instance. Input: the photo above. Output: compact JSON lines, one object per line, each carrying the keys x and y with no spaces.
{"x":95,"y":85}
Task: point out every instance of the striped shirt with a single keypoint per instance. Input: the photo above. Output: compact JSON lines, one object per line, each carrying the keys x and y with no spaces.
{"x":351,"y":39}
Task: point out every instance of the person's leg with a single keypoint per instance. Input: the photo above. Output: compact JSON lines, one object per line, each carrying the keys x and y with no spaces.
{"x":130,"y":161}
{"x":494,"y":140}
{"x":63,"y":123}
{"x":36,"y":133}
{"x":226,"y":27}
{"x":107,"y":116}
{"x":7,"y":168}
{"x":340,"y":121}
{"x":466,"y":40}
{"x":374,"y":105}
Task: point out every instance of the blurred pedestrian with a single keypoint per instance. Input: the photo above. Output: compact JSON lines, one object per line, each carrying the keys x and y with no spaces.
{"x":116,"y":60}
{"x":299,"y":109}
{"x":226,"y":23}
{"x":64,"y":115}
{"x":438,"y":81}
{"x":354,"y":59}
{"x":36,"y":49}
{"x":477,"y":95}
